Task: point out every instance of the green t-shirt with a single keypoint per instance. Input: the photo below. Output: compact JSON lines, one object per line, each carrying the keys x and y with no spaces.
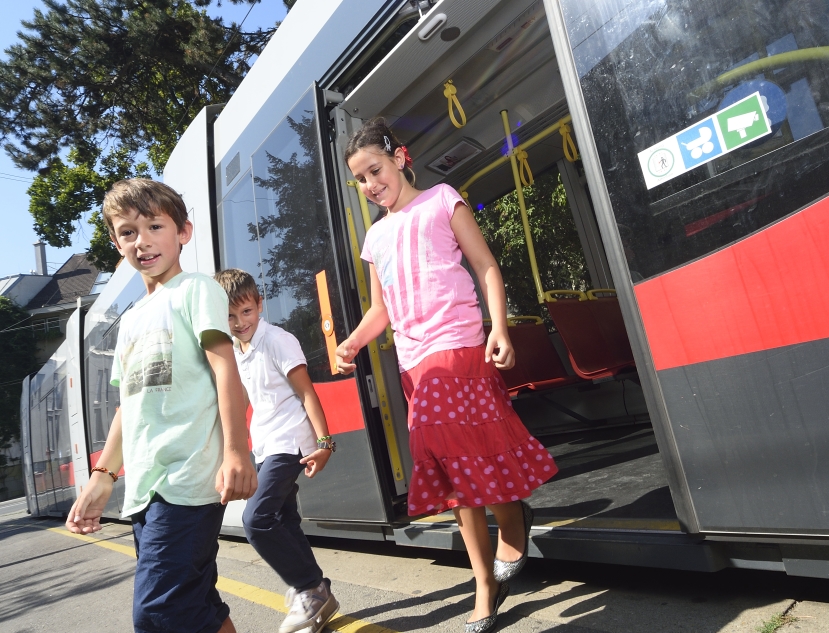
{"x":172,"y":434}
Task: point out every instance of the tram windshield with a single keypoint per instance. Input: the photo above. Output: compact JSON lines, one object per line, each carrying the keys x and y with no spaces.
{"x":709,"y":116}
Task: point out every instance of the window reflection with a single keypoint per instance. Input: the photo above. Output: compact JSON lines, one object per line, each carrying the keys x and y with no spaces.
{"x":101,"y":324}
{"x":240,"y":243}
{"x":294,"y":233}
{"x":651,"y":68}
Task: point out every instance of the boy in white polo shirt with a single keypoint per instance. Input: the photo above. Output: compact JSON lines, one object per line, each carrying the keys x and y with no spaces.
{"x":289,"y":433}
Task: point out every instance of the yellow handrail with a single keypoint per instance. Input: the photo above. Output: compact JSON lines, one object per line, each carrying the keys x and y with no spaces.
{"x":523,"y":207}
{"x":760,"y":65}
{"x":550,"y":295}
{"x":374,"y":353}
{"x":367,"y":223}
{"x":503,"y":159}
{"x":591,"y":294}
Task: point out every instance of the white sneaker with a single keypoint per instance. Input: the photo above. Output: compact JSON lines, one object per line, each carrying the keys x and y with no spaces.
{"x":311,"y":609}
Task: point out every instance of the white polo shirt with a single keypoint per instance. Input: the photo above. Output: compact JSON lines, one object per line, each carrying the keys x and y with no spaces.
{"x":279,"y":424}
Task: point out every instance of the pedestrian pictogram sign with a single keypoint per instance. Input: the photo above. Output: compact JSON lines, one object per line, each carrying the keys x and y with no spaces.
{"x":714,"y":136}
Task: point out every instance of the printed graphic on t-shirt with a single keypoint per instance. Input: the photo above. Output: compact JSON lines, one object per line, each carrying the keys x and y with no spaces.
{"x":383,"y":254}
{"x":147,"y":360}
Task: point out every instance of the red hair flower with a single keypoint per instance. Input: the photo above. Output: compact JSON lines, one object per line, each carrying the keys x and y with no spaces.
{"x":408,"y":159}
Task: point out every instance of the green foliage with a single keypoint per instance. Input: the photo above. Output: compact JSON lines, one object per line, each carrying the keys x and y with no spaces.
{"x":59,"y":197}
{"x":558,"y":251}
{"x":99,"y":80}
{"x":17,"y":349}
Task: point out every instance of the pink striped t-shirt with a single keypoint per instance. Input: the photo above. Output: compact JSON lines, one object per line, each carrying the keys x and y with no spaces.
{"x":429,"y":296}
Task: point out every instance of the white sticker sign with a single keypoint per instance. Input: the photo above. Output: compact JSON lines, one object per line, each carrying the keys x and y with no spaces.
{"x":739,"y":124}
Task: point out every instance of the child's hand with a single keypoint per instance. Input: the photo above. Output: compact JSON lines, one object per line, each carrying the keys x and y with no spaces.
{"x":499,"y":350}
{"x":85,"y":514}
{"x":316,"y":461}
{"x":236,"y":478}
{"x":346,"y":351}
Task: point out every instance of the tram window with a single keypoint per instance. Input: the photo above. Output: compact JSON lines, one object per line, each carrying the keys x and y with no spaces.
{"x":656,"y":69}
{"x":294,"y":234}
{"x":102,"y":399}
{"x":558,"y":250}
{"x":239,"y":233}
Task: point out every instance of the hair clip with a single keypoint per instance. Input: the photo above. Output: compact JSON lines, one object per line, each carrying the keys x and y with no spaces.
{"x":387,"y":142}
{"x":408,"y":159}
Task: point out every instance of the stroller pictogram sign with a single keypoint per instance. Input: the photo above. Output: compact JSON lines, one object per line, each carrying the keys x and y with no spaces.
{"x":699,"y":144}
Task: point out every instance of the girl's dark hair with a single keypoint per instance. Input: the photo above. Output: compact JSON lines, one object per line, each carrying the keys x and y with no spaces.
{"x":374,"y":134}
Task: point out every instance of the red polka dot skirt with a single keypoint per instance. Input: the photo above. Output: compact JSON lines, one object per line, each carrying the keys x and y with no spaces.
{"x":469,"y":446}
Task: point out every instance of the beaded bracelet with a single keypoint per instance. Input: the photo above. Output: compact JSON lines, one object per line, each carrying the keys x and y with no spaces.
{"x":101,"y":469}
{"x":326,"y":441}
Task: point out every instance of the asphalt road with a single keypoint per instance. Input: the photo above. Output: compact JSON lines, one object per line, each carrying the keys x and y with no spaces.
{"x":51,"y":580}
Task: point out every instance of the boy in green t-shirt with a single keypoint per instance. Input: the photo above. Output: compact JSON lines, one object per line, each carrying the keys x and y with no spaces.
{"x":181,"y":438}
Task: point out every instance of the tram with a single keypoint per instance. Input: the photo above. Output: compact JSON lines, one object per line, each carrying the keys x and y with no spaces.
{"x":682,"y":385}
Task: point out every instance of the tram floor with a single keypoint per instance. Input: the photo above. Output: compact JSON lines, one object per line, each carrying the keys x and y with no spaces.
{"x":611,"y":475}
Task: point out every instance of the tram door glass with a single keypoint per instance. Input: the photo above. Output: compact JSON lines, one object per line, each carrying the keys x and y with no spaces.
{"x":710,"y":120}
{"x":294,"y":235}
{"x":283,"y":237}
{"x":239,"y":230}
{"x":652,"y":77}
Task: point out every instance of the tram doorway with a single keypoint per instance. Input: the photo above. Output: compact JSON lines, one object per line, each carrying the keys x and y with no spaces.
{"x":483,"y":109}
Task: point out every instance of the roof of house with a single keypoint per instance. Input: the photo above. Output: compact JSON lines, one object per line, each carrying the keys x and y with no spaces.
{"x":72,"y":280}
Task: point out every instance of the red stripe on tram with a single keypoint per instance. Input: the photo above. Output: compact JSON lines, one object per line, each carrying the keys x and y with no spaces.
{"x":341,"y":402}
{"x":768,"y":290}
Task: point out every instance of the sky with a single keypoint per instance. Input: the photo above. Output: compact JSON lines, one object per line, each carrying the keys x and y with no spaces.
{"x":17,"y":235}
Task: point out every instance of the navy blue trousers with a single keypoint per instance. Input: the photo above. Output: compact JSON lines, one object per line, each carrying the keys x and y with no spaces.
{"x":272,"y":523}
{"x":175,"y":577}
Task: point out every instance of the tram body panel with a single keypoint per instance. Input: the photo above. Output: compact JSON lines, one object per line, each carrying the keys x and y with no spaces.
{"x":26,"y":448}
{"x":722,"y":241}
{"x":49,"y":438}
{"x":77,"y":427}
{"x":738,"y":433}
{"x":100,"y":335}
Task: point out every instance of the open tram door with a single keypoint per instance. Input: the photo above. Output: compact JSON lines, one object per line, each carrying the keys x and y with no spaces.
{"x":275,"y":221}
{"x":448,"y":88}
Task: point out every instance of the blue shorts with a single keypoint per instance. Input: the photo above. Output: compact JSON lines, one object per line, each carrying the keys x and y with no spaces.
{"x":175,"y":577}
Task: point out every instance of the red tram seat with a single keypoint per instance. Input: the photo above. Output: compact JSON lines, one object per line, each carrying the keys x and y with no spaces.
{"x":537,"y":364}
{"x":593,"y":331}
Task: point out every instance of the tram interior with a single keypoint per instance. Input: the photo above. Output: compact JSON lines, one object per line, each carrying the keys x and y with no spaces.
{"x":499,"y":57}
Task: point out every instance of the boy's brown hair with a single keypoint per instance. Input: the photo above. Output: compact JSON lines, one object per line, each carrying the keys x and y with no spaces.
{"x":148,"y":197}
{"x":238,"y":285}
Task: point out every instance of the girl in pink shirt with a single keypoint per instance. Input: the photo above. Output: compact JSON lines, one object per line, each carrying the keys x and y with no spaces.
{"x":469,"y":447}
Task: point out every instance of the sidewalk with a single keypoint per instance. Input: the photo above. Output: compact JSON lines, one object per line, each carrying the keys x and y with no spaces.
{"x":810,"y":617}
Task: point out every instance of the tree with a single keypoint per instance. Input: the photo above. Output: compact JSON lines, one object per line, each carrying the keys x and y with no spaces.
{"x":17,"y":349}
{"x":110,"y":80}
{"x":558,"y":250}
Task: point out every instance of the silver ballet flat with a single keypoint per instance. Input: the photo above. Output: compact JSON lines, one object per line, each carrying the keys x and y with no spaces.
{"x":488,"y":623}
{"x":505,"y":571}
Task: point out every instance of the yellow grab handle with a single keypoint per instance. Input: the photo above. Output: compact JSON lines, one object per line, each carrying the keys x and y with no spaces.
{"x":524,"y":167}
{"x":570,"y":151}
{"x":591,"y":294}
{"x":550,"y":295}
{"x":327,"y":321}
{"x":389,"y":339}
{"x":451,"y":93}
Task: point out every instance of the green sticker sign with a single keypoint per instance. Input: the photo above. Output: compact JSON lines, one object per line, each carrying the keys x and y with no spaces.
{"x":717,"y":134}
{"x":743,"y":122}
